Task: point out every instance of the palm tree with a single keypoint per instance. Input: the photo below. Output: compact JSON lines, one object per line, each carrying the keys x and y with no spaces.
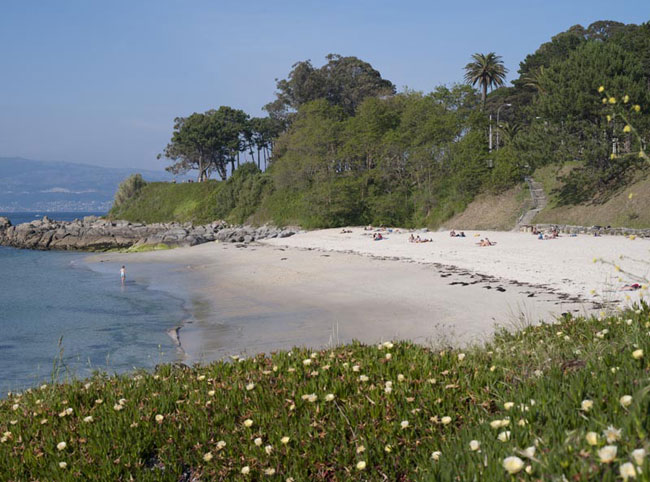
{"x":486,"y":70}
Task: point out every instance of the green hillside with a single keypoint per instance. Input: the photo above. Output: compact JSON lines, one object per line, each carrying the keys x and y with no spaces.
{"x":160,"y":202}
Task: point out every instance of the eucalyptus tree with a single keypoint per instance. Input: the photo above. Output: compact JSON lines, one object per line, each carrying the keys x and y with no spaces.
{"x":486,"y":70}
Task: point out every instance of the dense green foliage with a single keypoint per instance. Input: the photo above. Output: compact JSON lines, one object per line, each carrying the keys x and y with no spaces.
{"x":345,"y":149}
{"x":354,"y":413}
{"x":128,"y":189}
{"x":166,"y":202}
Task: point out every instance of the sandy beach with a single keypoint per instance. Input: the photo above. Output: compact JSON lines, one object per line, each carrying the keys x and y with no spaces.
{"x":324,"y":287}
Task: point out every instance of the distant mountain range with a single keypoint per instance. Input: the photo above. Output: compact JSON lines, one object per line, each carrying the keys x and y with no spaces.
{"x":47,"y":186}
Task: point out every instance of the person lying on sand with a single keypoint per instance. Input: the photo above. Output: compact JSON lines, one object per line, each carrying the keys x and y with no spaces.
{"x":411,"y":238}
{"x":632,"y":287}
{"x":452,"y":233}
{"x":377,"y":237}
{"x":346,"y":231}
{"x":485,"y":242}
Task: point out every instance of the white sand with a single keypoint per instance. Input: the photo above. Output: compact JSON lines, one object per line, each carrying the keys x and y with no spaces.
{"x":564,"y":264}
{"x":314,"y":288}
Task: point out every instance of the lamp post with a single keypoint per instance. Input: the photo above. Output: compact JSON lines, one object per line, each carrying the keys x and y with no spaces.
{"x":502,"y":105}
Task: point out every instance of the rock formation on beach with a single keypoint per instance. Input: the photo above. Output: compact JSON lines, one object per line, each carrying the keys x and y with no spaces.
{"x":96,"y":234}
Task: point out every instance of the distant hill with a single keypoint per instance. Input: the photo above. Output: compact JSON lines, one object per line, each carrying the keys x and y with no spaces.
{"x":28,"y":185}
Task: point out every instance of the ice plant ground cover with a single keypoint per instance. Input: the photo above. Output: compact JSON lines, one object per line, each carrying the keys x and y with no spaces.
{"x":564,"y":401}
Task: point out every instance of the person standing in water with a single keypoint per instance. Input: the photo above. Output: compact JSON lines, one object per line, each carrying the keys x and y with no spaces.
{"x":123,"y":274}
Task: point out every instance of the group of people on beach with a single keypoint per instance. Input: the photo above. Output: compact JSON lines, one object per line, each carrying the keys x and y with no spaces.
{"x":485,"y":242}
{"x":454,"y":234}
{"x":417,"y":239}
{"x":554,"y":234}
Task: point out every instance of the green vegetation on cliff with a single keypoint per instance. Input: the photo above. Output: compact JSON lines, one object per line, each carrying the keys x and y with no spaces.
{"x":566,"y":401}
{"x":348,"y":150}
{"x":166,"y":202}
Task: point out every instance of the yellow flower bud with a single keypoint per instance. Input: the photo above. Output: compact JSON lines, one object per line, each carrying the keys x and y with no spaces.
{"x":626,"y":99}
{"x":604,"y":100}
{"x":637,"y":108}
{"x":609,"y":118}
{"x":627,"y":128}
{"x":601,"y":89}
{"x":612,"y":156}
{"x":612,"y":100}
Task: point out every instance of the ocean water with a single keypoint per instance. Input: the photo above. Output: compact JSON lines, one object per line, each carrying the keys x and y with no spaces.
{"x":53,"y":306}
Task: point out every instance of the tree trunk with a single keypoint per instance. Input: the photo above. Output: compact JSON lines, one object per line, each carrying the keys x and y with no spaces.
{"x":237,"y":158}
{"x":259,"y":163}
{"x":484,"y":94}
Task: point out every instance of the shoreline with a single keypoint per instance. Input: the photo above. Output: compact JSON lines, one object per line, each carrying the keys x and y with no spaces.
{"x":262,"y":297}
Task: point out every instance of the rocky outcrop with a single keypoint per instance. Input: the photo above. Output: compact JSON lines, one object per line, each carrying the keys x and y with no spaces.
{"x":569,"y":229}
{"x":97,"y":234}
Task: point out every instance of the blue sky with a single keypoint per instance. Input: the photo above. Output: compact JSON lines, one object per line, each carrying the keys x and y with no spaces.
{"x":101,"y":82}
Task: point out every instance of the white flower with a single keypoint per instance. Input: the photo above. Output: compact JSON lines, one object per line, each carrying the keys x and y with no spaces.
{"x":257,"y":441}
{"x":88,"y":419}
{"x":388,"y":449}
{"x":612,"y":434}
{"x":404,"y":424}
{"x":307,"y":362}
{"x":436,"y":455}
{"x":211,"y":393}
{"x":248,"y":423}
{"x":159,"y":418}
{"x":637,"y":354}
{"x":626,"y":400}
{"x":363,"y":378}
{"x":207,"y":457}
{"x":285,"y":440}
{"x":627,"y":471}
{"x":388,"y":344}
{"x":200,"y":378}
{"x":586,"y":405}
{"x":461,"y":356}
{"x":638,"y":455}
{"x":99,"y":401}
{"x":445,"y":420}
{"x":529,"y":469}
{"x":268,"y":449}
{"x":61,"y":446}
{"x":361,"y":449}
{"x":508,"y":405}
{"x":361,"y":465}
{"x":400,"y":378}
{"x":388,"y":356}
{"x":504,"y":436}
{"x":63,"y":465}
{"x":118,"y":407}
{"x":607,"y":454}
{"x":250,"y":386}
{"x":221,"y":444}
{"x":475,"y":445}
{"x":530,"y":452}
{"x":592,"y":438}
{"x":269,"y":471}
{"x":245,"y":470}
{"x":311,"y":398}
{"x":513,"y":464}
{"x":329,"y":397}
{"x":388,"y":388}
{"x":355,"y":368}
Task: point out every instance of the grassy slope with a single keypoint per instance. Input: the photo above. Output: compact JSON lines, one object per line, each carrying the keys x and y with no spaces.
{"x":619,"y":210}
{"x":493,"y":211}
{"x":545,"y":372}
{"x":166,"y":202}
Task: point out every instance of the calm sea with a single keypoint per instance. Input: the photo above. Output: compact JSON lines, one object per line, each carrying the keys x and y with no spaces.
{"x":48,"y":296}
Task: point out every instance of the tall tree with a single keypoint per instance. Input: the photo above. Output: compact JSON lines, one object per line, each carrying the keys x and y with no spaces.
{"x":206,"y":142}
{"x":486,"y":70}
{"x":342,"y":81}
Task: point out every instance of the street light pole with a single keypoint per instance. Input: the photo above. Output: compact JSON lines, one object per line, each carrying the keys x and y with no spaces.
{"x":490,"y":136}
{"x":502,"y":105}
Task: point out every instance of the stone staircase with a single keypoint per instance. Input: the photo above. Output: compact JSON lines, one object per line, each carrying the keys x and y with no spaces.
{"x":539,"y":202}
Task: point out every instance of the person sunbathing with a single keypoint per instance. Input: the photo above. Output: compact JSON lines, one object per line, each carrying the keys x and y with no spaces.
{"x":377,"y":237}
{"x":452,"y":233}
{"x":411,"y":238}
{"x":632,"y":287}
